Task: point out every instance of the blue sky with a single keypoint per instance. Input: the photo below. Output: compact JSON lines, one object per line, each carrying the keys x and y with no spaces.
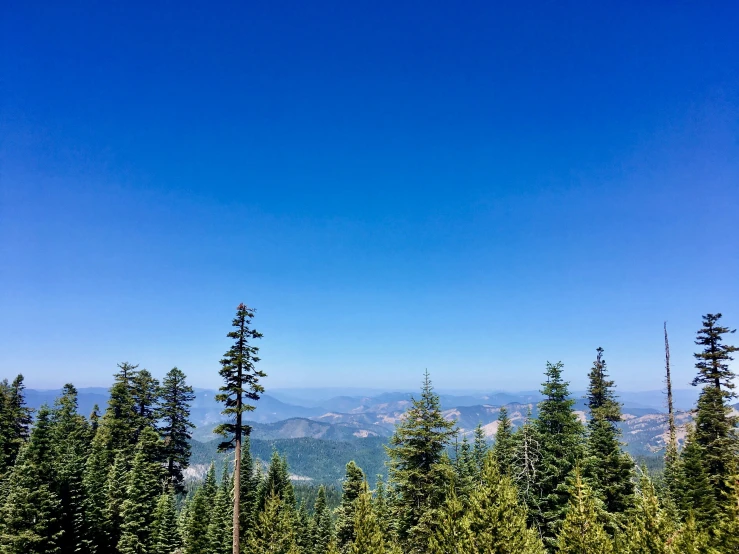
{"x":470,"y":188}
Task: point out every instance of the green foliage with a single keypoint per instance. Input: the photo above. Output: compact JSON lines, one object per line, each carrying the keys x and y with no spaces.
{"x":220,"y":528}
{"x":143,"y":486}
{"x":608,"y":469}
{"x":165,"y":533}
{"x":322,"y":526}
{"x":31,"y":511}
{"x":15,"y":421}
{"x":173,"y":415}
{"x":417,"y":474}
{"x":582,"y":531}
{"x":240,"y":376}
{"x":649,"y":529}
{"x":559,"y":434}
{"x":352,"y":488}
{"x":504,"y":443}
{"x":367,"y":533}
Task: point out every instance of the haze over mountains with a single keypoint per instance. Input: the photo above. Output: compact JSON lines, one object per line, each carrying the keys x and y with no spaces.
{"x":349,"y":414}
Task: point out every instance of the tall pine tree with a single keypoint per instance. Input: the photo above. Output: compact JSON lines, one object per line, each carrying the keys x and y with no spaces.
{"x":241,"y":384}
{"x":173,"y":415}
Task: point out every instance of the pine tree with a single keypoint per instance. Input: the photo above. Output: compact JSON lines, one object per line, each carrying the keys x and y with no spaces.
{"x":382,"y":508}
{"x":352,"y":488}
{"x":94,"y":420}
{"x":220,"y":528}
{"x":15,"y":422}
{"x":165,"y":534}
{"x":276,"y":534}
{"x":277,"y":481}
{"x":145,"y":394}
{"x":322,"y":526}
{"x":452,"y":532}
{"x":465,"y":469}
{"x":715,"y":428}
{"x":497,"y":519}
{"x":582,"y":530}
{"x":696,"y":494}
{"x":416,"y":472}
{"x":143,"y":489}
{"x":367,"y":534}
{"x":29,"y":516}
{"x":199,"y":513}
{"x":649,"y":530}
{"x":116,"y":486}
{"x":250,"y":485}
{"x":173,"y":414}
{"x":504,"y":443}
{"x":479,"y":449}
{"x":94,"y":484}
{"x":120,"y":418}
{"x":692,"y":540}
{"x":559,"y":434}
{"x":608,"y":469}
{"x":70,"y":445}
{"x":241,"y":383}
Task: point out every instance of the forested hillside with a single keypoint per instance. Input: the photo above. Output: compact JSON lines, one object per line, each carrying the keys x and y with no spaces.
{"x":128,"y":478}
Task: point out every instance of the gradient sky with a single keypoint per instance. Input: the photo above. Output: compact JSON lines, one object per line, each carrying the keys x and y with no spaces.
{"x":469,"y":187}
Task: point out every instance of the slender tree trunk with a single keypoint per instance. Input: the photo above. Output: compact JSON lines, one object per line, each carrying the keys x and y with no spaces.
{"x":670,"y":411}
{"x":237,"y":495}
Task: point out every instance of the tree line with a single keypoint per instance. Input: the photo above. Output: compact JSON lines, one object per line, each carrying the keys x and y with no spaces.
{"x":560,"y":483}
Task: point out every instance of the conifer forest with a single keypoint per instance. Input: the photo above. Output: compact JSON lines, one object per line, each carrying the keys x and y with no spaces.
{"x":114,"y":481}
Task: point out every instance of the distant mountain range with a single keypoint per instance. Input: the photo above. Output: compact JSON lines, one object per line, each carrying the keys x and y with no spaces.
{"x":320,"y":432}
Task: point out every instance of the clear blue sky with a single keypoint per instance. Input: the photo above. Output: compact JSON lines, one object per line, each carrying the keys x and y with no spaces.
{"x":473,"y":188}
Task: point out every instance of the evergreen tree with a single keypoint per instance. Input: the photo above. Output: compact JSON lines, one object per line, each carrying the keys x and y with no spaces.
{"x":322,"y":526}
{"x":145,"y":394}
{"x":29,"y":516}
{"x":479,"y":449}
{"x":497,"y":519}
{"x":696,"y":495}
{"x":352,"y":488}
{"x":560,"y":435}
{"x":241,"y":383}
{"x":95,"y":502}
{"x":649,"y":530}
{"x":250,"y":485}
{"x":715,"y":428}
{"x":70,"y":445}
{"x":165,"y":533}
{"x":608,"y":469}
{"x":367,"y":534}
{"x":692,"y":540}
{"x":452,"y":532}
{"x":173,"y":415}
{"x":416,"y":472}
{"x":198,"y":520}
{"x":120,"y":418}
{"x":94,"y":420}
{"x":116,"y":486}
{"x":465,"y":469}
{"x":15,"y":422}
{"x":143,"y":489}
{"x":276,"y":534}
{"x":382,"y":508}
{"x":220,"y":529}
{"x":504,"y":443}
{"x":582,"y":530}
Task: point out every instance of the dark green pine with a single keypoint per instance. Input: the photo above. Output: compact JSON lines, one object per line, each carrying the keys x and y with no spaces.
{"x":715,"y":428}
{"x":143,"y":488}
{"x":607,"y":468}
{"x":351,"y":489}
{"x":116,"y":486}
{"x":220,"y":528}
{"x":71,"y":446}
{"x":696,"y":495}
{"x":173,"y":415}
{"x":504,"y":444}
{"x":417,"y":472}
{"x":250,"y":485}
{"x":165,"y":533}
{"x":559,"y":434}
{"x":15,"y":422}
{"x":479,"y":449}
{"x":145,"y":394}
{"x":322,"y":525}
{"x":30,"y":513}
